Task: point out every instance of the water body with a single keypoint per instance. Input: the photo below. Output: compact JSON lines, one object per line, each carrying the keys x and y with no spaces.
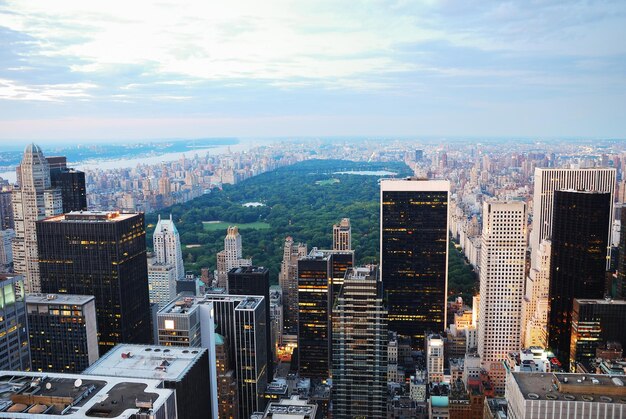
{"x":367,"y":173}
{"x":89,"y":165}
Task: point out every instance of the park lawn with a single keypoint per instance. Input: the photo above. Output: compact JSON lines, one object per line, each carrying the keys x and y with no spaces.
{"x":223,"y":225}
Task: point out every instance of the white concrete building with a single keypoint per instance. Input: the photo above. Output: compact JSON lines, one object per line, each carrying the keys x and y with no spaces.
{"x":501,"y":285}
{"x":167,"y":248}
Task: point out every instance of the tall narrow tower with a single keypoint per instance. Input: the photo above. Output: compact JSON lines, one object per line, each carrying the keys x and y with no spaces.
{"x":33,"y":199}
{"x":414,"y":255}
{"x":288,"y":280}
{"x":167,"y":248}
{"x":342,"y":235}
{"x":503,"y":256}
{"x":360,"y":341}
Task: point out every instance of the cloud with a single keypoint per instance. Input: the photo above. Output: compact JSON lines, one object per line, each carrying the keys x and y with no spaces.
{"x":10,"y":90}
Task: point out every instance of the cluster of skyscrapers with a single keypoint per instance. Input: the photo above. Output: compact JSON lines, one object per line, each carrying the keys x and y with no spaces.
{"x":89,"y":312}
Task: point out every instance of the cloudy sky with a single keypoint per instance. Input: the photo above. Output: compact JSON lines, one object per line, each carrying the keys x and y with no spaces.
{"x":138,"y":69}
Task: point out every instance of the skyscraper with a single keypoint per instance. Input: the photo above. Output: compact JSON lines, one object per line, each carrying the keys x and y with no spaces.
{"x":414,"y":255}
{"x":578,"y":261}
{"x":101,"y":254}
{"x":71,"y":183}
{"x":342,"y":235}
{"x":360,"y":347}
{"x":15,"y":350}
{"x":161,"y":282}
{"x":62,"y":331}
{"x":255,"y":280}
{"x":549,"y":180}
{"x":288,"y":280}
{"x":595,"y":322}
{"x":167,"y":248}
{"x":434,"y":358}
{"x":230,"y":257}
{"x":502,"y":266}
{"x":535,"y":302}
{"x":33,"y":199}
{"x":241,"y":321}
{"x":314,"y":286}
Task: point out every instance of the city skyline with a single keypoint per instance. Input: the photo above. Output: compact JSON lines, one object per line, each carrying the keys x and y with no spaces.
{"x":108,"y":71}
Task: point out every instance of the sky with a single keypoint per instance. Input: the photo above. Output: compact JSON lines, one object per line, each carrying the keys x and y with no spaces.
{"x":134,"y":69}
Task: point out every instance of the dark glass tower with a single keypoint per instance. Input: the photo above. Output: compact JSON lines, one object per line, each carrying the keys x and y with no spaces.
{"x":72,"y":185}
{"x":255,"y":280}
{"x":595,"y":322}
{"x":578,"y":260}
{"x":414,"y":255}
{"x":314,"y":273}
{"x":101,"y":254}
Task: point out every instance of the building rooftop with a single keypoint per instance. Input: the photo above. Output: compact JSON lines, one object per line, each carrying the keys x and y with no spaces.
{"x":248,"y":270}
{"x":90,"y":217}
{"x":24,"y":394}
{"x":168,"y":363}
{"x":600,"y":301}
{"x":571,"y":387}
{"x":184,"y":305}
{"x":292,"y":408}
{"x":59,"y":299}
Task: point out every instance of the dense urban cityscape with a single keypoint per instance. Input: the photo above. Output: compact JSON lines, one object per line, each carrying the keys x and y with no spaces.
{"x":91,"y":308}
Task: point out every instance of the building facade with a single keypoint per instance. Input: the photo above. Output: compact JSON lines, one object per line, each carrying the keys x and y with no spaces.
{"x":360,"y":347}
{"x":161,"y":282}
{"x":33,"y":199}
{"x":595,"y":322}
{"x":578,"y":260}
{"x":101,"y":254}
{"x":501,"y":285}
{"x":549,"y":180}
{"x":342,"y":235}
{"x":167,"y":248}
{"x":71,"y":183}
{"x":15,"y":350}
{"x":288,"y":281}
{"x":535,"y":302}
{"x":414,"y":255}
{"x":6,"y":211}
{"x":62,"y":331}
{"x":434,"y":358}
{"x":230,"y":257}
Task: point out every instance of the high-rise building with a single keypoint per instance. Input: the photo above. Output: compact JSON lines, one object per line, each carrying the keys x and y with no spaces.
{"x":161,"y":282}
{"x":535,"y":302}
{"x":549,"y":180}
{"x":230,"y":257}
{"x":33,"y":199}
{"x":314,"y":314}
{"x":360,"y":346}
{"x":184,"y":371}
{"x":71,"y":183}
{"x":101,"y":254}
{"x":434,"y":358}
{"x":288,"y":281}
{"x":342,"y":235}
{"x":578,"y":260}
{"x":166,"y":246}
{"x":621,"y":263}
{"x":62,"y":331}
{"x":414,"y":255}
{"x":255,"y":280}
{"x":241,"y":321}
{"x":6,"y":249}
{"x":226,"y":381}
{"x":502,"y":268}
{"x":6,"y":211}
{"x":15,"y":350}
{"x":595,"y":322}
